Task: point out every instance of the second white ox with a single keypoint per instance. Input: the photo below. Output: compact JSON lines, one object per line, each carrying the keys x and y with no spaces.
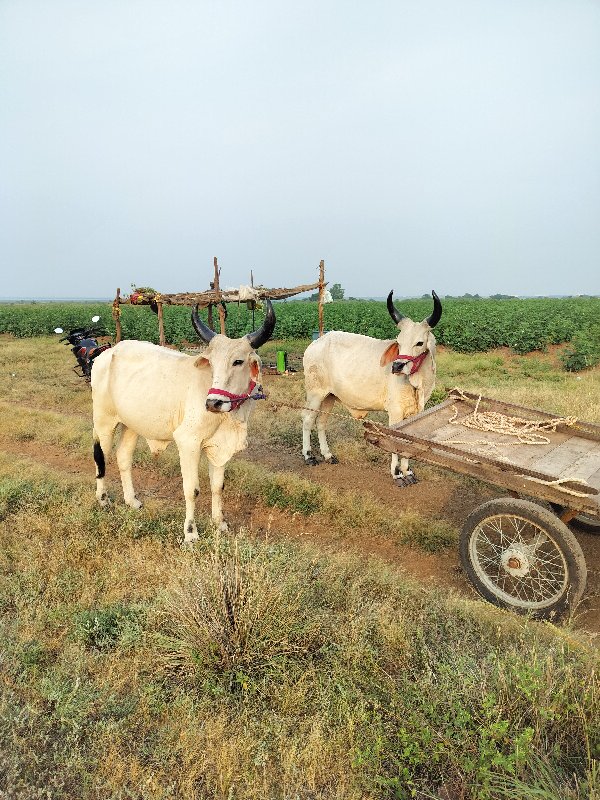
{"x":367,"y":374}
{"x":200,"y":402}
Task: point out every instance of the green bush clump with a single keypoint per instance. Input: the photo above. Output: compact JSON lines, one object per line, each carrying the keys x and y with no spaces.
{"x":584,"y":350}
{"x":106,"y":627}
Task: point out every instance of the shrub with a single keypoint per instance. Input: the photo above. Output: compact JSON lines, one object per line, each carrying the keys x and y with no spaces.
{"x":584,"y":351}
{"x":233,"y":622}
{"x":104,"y":628}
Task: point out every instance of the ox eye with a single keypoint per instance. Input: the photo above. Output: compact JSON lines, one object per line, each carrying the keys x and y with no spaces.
{"x":238,"y":362}
{"x":419,"y":344}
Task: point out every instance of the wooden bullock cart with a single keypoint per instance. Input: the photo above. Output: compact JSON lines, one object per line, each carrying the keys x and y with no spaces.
{"x":517,"y":551}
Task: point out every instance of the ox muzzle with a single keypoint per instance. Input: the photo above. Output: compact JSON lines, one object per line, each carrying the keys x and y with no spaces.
{"x":226,"y":401}
{"x":400,"y":364}
{"x":398,"y":367}
{"x":217,"y":405}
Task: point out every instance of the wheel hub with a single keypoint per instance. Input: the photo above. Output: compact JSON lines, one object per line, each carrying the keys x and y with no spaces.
{"x":515,"y":562}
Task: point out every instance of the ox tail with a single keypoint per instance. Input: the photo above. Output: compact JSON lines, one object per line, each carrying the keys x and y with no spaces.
{"x":99,"y":459}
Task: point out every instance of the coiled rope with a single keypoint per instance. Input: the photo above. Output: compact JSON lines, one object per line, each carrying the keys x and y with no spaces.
{"x":523,"y":431}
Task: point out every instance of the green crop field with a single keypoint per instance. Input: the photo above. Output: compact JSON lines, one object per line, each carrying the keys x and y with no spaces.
{"x":466,"y":325}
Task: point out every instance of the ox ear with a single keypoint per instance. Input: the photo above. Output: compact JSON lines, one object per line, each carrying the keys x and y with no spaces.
{"x":390,"y":354}
{"x":201,"y":362}
{"x":254,"y":369}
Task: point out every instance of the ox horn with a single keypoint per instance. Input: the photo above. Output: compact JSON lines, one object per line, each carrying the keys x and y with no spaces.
{"x":433,"y":320}
{"x":264,"y":332}
{"x":394,"y":313}
{"x":203,"y":331}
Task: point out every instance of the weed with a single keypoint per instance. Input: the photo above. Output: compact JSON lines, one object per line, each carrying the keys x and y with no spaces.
{"x":103,"y":628}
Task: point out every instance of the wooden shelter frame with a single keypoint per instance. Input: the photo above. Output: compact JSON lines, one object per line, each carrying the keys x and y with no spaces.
{"x":214,"y":298}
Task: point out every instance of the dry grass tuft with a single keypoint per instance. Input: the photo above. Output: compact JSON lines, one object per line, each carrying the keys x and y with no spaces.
{"x":230,"y":616}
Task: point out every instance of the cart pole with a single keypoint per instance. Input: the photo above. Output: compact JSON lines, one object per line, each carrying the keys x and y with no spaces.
{"x":116,"y":312}
{"x":321,"y":293}
{"x":161,"y":326}
{"x":218,"y":291}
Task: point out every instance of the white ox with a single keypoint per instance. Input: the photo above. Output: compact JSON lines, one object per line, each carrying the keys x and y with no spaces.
{"x":167,"y":396}
{"x":367,"y":374}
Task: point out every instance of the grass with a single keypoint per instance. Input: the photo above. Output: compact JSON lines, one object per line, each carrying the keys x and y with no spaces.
{"x":535,"y":381}
{"x":265,"y":670}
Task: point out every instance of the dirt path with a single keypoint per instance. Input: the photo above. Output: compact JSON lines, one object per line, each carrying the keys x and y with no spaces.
{"x":437,"y":495}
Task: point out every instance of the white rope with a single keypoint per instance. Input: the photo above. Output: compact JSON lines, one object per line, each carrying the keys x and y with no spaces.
{"x":524,"y":431}
{"x":559,"y":483}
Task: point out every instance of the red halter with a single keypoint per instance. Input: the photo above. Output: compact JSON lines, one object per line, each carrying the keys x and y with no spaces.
{"x":416,"y":361}
{"x":237,"y":399}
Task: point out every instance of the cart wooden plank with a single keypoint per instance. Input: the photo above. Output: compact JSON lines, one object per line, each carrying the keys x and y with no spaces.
{"x":594,"y":480}
{"x":576,"y":458}
{"x":565,"y":471}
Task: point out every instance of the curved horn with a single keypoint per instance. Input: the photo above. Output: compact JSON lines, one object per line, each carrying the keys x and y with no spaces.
{"x":433,"y":320}
{"x":264,"y":332}
{"x":394,"y":313}
{"x":203,"y":331}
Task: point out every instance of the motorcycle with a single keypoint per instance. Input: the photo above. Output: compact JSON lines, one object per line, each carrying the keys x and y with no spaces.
{"x":85,"y":347}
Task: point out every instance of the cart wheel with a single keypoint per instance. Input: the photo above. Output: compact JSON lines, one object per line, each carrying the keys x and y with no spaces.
{"x":520,"y":556}
{"x":587,"y":523}
{"x":582,"y":522}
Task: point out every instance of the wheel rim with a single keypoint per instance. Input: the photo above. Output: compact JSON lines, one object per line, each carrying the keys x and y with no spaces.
{"x":518,"y":561}
{"x":588,"y":519}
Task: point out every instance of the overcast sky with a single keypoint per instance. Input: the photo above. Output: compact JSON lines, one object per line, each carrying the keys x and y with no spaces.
{"x":412,"y":145}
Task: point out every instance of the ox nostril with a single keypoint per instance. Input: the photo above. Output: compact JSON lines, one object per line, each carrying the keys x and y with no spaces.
{"x":214,"y":405}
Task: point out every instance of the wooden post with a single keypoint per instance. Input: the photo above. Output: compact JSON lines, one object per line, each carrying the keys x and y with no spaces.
{"x":117,"y":316}
{"x":161,"y":326}
{"x":254,"y":301}
{"x":218,"y":291}
{"x":321,"y":293}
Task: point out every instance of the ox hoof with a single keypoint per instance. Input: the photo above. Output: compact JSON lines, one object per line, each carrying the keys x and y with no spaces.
{"x":310,"y":460}
{"x":222,"y":526}
{"x":332,"y":460}
{"x":401,"y":480}
{"x":135,"y":503}
{"x":103,"y":500}
{"x":190,"y":534}
{"x":188,"y":544}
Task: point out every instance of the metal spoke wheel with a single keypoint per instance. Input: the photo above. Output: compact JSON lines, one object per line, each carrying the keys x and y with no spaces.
{"x":520,"y":556}
{"x":587,"y":523}
{"x":582,"y":522}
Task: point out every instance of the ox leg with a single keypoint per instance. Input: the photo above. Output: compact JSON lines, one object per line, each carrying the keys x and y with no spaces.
{"x":189,"y":457}
{"x":103,"y":438}
{"x":400,"y":469}
{"x":326,"y":407}
{"x":124,"y":458}
{"x":217,"y":484}
{"x":309,"y":415}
